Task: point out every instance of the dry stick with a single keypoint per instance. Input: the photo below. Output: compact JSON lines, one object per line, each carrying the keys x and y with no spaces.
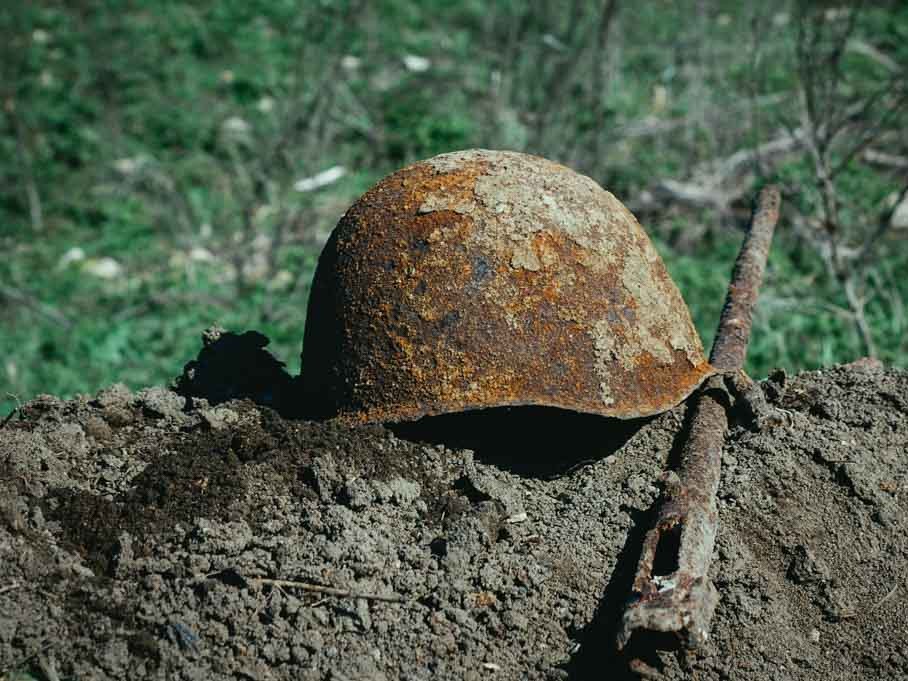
{"x":327,"y":590}
{"x":6,"y":420}
{"x":672,"y":591}
{"x":15,"y":410}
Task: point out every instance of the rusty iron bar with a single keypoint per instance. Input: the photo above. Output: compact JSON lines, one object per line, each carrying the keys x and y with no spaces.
{"x":730,"y":346}
{"x":672,"y":592}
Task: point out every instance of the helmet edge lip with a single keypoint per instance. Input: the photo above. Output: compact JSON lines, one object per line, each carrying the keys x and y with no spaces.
{"x":412,"y":413}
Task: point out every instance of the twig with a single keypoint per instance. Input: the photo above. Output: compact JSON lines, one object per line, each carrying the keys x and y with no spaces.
{"x":885,"y":598}
{"x":652,"y":125}
{"x":884,"y":224}
{"x":840,"y":125}
{"x":870,"y":134}
{"x":36,"y":212}
{"x":881,"y":158}
{"x":11,"y":587}
{"x":600,"y":70}
{"x":6,"y":420}
{"x":672,"y":592}
{"x":327,"y":590}
{"x":706,"y":186}
{"x":48,"y":667}
{"x":41,"y":308}
{"x":16,"y":409}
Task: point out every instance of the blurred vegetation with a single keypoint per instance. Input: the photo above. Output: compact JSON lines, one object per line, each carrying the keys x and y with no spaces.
{"x":151,"y":158}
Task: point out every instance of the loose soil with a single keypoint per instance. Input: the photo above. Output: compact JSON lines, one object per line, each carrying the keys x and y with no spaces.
{"x":192,"y":534}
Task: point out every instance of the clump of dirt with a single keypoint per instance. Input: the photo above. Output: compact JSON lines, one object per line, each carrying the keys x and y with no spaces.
{"x":165,"y":535}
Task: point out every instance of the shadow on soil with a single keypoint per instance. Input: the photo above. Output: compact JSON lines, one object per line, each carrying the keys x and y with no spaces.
{"x":194,"y":479}
{"x":234,"y":366}
{"x":598,"y":656}
{"x":539,"y":442}
{"x":598,"y":651}
{"x":547,"y":443}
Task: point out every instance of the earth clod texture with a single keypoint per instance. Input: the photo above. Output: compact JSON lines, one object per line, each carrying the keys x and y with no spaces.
{"x":145,"y":536}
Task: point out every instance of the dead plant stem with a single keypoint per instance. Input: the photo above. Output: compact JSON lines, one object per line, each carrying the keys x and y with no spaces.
{"x":327,"y":590}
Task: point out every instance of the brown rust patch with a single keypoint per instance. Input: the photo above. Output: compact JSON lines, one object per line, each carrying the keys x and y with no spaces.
{"x":480,"y":279}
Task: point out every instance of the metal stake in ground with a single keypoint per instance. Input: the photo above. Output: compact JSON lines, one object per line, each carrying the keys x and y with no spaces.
{"x":672,"y":592}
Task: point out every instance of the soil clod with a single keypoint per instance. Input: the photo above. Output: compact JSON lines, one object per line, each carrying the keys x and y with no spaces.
{"x":175,"y":546}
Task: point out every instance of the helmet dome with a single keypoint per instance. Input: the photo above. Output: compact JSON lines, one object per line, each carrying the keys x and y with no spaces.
{"x":482,"y":279}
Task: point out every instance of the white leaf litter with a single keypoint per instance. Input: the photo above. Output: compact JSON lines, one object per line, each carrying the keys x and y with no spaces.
{"x":74,"y":254}
{"x":236,"y":126}
{"x":551,"y":41}
{"x":516,"y":518}
{"x":265,"y":104}
{"x":103,"y":268}
{"x":282,"y":279}
{"x":900,"y":214}
{"x":319,"y":180}
{"x":416,"y":64}
{"x":350,"y":63}
{"x":199,"y":254}
{"x":128,"y":166}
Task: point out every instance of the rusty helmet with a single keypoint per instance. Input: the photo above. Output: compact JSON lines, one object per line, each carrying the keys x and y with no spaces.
{"x":482,"y":279}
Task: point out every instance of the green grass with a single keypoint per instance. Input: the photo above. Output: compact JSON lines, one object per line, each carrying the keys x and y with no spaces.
{"x":19,"y":676}
{"x":166,"y":137}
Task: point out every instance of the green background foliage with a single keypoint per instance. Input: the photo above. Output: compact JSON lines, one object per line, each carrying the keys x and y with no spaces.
{"x":149,"y":151}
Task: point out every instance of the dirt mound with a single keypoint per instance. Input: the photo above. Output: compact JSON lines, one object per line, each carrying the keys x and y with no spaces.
{"x":155,"y":535}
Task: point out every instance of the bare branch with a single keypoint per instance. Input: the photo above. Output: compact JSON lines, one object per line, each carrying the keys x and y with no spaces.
{"x":235,"y":578}
{"x":36,"y":305}
{"x":327,"y":590}
{"x":881,"y":158}
{"x":27,"y":167}
{"x":870,"y":134}
{"x":706,"y":187}
{"x":884,"y":224}
{"x":857,"y":305}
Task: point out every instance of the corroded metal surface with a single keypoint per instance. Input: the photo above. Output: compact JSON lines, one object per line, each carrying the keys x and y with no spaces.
{"x":672,"y":591}
{"x":730,"y":346}
{"x":482,"y":278}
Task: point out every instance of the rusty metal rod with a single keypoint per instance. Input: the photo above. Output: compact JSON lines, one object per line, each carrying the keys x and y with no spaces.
{"x":730,"y":345}
{"x":672,"y":592}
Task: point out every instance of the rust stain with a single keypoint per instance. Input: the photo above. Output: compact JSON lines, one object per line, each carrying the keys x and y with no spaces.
{"x":480,"y":279}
